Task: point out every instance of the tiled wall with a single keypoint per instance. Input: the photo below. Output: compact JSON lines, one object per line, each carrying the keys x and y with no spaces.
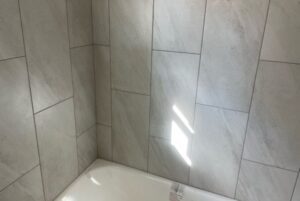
{"x":47,"y":103}
{"x":204,"y":92}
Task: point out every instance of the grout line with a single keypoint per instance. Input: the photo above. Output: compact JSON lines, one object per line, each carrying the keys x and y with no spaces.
{"x":294,"y":189}
{"x":53,"y":105}
{"x":129,"y":92}
{"x":173,"y":51}
{"x":102,"y":124}
{"x":198,"y":77}
{"x":11,"y":58}
{"x":222,"y":108}
{"x":283,"y":62}
{"x":31,"y":100}
{"x":150,"y":88}
{"x":86,"y":130}
{"x":105,"y":45}
{"x":251,"y":100}
{"x":110,"y":80}
{"x":75,"y":47}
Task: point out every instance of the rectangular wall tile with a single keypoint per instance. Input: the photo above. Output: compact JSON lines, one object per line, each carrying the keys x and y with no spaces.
{"x":104,"y":139}
{"x":103,"y":86}
{"x":11,"y":41}
{"x":217,"y":149}
{"x":263,"y":183}
{"x":47,"y":50}
{"x":166,"y":161}
{"x":84,"y":87}
{"x":80,"y":22}
{"x":231,"y":45}
{"x":273,"y":131}
{"x":174,"y":86}
{"x":27,"y":188}
{"x":281,"y":40}
{"x":131,"y":35}
{"x":18,"y":147}
{"x":57,"y":145}
{"x":296,"y":196}
{"x":101,"y":21}
{"x":86,"y":148}
{"x":130,"y":125}
{"x":178,"y":25}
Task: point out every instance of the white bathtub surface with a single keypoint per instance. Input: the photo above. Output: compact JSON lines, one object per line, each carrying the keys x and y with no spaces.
{"x":107,"y":181}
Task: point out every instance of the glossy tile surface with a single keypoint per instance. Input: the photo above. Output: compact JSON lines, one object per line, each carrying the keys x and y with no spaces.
{"x":80,"y":22}
{"x":174,"y":86}
{"x":178,"y":25}
{"x":166,"y":161}
{"x":101,"y":21}
{"x":11,"y":41}
{"x":216,"y":149}
{"x":104,"y":138}
{"x":131,"y":34}
{"x":57,"y":146}
{"x":27,"y":188}
{"x":18,"y":147}
{"x":130,"y":125}
{"x":273,"y":130}
{"x":264,"y":183}
{"x":86,"y":148}
{"x":231,"y":44}
{"x":47,"y":50}
{"x":103,"y":85}
{"x":296,"y":196}
{"x":84,"y":87}
{"x":281,"y":40}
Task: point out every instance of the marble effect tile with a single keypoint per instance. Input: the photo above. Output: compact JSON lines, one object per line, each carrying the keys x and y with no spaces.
{"x":103,"y":86}
{"x":263,"y":183}
{"x":273,"y":131}
{"x":130,"y":126}
{"x":104,"y":138}
{"x":80,"y":22}
{"x":86,"y":148}
{"x":27,"y":188}
{"x":174,"y":84}
{"x":231,"y":44}
{"x":281,"y":40}
{"x":131,"y":35}
{"x":101,"y":21}
{"x":165,"y":161}
{"x":11,"y":41}
{"x":47,"y":51}
{"x":296,"y":196}
{"x":178,"y":25}
{"x":18,"y":147}
{"x":84,"y":88}
{"x":216,"y":149}
{"x":57,"y":145}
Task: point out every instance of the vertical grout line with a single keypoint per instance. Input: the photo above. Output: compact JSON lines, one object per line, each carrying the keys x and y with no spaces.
{"x":149,"y":127}
{"x":197,"y":84}
{"x":251,"y":100}
{"x":110,"y":80}
{"x":294,"y":189}
{"x":31,"y":100}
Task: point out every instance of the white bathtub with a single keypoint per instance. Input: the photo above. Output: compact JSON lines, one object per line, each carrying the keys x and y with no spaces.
{"x":107,"y":181}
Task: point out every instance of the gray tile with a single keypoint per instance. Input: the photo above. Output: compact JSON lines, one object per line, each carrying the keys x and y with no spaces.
{"x":47,"y":50}
{"x":178,"y":25}
{"x":101,"y":21}
{"x":232,"y":39}
{"x":217,"y":149}
{"x":84,"y":88}
{"x":11,"y":41}
{"x":166,"y":161}
{"x":18,"y":147}
{"x":263,"y":183}
{"x":174,"y":86}
{"x":131,"y":35}
{"x":281,"y":40}
{"x":27,"y":188}
{"x":103,"y":87}
{"x":130,"y":125}
{"x":104,"y":139}
{"x":57,"y":145}
{"x":80,"y":22}
{"x":273,"y":131}
{"x":87,"y":148}
{"x":296,"y":196}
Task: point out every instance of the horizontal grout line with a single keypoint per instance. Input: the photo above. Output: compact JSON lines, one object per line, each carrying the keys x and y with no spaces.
{"x":282,"y":62}
{"x":83,"y":132}
{"x":53,"y":105}
{"x":272,"y":166}
{"x":129,"y":92}
{"x":159,"y":138}
{"x":179,"y":52}
{"x":11,"y":58}
{"x":105,"y":45}
{"x":87,"y":45}
{"x":102,"y":124}
{"x":222,"y":108}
